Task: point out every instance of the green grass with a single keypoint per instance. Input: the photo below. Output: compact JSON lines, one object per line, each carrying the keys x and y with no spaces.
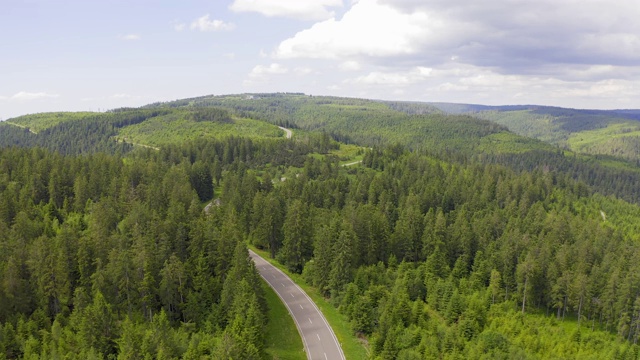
{"x":352,"y":348}
{"x":39,"y":122}
{"x":282,"y":337}
{"x":349,"y":153}
{"x":174,"y":128}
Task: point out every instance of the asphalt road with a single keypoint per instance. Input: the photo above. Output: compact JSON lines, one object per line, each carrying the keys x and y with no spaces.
{"x":319,"y":341}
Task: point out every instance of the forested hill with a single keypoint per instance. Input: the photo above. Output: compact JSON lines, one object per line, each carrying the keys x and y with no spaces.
{"x":605,"y":132}
{"x":119,"y":130}
{"x":365,"y":122}
{"x":428,"y":128}
{"x":423,"y":127}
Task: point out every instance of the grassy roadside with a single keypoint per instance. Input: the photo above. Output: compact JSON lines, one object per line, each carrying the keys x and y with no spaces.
{"x":282,"y":338}
{"x":352,"y":348}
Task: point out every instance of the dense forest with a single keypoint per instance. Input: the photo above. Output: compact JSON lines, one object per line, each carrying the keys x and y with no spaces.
{"x":105,"y":257}
{"x":109,"y":253}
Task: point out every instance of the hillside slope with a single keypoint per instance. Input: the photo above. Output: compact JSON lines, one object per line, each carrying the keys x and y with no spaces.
{"x":119,"y":130}
{"x":596,"y":132}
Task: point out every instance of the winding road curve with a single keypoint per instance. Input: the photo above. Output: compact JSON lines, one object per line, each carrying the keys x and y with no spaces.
{"x":320,"y":343}
{"x":289,"y":132}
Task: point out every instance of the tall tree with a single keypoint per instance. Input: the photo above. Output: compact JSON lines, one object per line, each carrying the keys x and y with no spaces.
{"x":297,"y":243}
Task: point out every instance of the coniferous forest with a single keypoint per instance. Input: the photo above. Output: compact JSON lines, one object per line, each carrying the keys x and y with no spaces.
{"x":428,"y":253}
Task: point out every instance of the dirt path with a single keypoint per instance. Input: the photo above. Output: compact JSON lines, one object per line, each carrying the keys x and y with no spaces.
{"x":288,"y":132}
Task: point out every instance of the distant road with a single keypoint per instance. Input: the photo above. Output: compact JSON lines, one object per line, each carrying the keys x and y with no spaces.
{"x":320,"y":343}
{"x":21,"y":126}
{"x":289,"y":133}
{"x":352,"y":163}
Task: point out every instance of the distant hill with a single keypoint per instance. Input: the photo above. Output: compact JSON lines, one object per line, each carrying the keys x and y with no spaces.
{"x":120,"y":130}
{"x":599,"y":132}
{"x":369,"y":122}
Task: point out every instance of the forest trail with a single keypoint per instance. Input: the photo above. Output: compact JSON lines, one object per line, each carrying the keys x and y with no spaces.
{"x":352,"y":163}
{"x":289,"y":132}
{"x":21,"y":126}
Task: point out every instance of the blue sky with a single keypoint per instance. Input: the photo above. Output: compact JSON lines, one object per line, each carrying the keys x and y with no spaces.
{"x":69,"y":55}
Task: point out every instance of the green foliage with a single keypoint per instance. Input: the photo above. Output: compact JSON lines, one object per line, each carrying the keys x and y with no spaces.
{"x":452,"y":255}
{"x":179,"y":126}
{"x":126,"y":272}
{"x":596,"y":132}
{"x":354,"y":120}
{"x":38,"y":122}
{"x":619,"y":140}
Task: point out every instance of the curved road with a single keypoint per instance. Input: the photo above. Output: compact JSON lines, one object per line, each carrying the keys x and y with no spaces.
{"x":287,"y":131}
{"x":320,"y":343}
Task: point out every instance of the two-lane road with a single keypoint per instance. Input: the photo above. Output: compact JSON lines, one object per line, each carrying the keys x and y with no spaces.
{"x":320,"y":342}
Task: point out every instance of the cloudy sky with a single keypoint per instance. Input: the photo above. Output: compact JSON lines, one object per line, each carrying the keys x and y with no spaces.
{"x":100,"y":54}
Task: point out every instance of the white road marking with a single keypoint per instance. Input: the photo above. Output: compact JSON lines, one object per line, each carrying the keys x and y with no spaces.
{"x":304,"y":336}
{"x":318,"y":337}
{"x":282,"y":284}
{"x":292,"y":295}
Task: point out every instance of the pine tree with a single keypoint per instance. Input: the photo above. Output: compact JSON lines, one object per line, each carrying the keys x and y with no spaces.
{"x":297,"y":243}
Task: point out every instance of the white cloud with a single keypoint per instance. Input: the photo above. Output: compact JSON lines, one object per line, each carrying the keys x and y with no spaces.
{"x":512,"y":36}
{"x":367,"y":29}
{"x":229,"y":56}
{"x":26,"y":96}
{"x":302,"y":70}
{"x":350,"y":65}
{"x":130,"y":37}
{"x":262,"y":71}
{"x":393,"y":78}
{"x":296,"y":9}
{"x":204,"y":23}
{"x":123,"y":96}
{"x":179,"y":27}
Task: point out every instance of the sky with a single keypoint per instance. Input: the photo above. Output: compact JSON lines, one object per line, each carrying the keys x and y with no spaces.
{"x":95,"y":55}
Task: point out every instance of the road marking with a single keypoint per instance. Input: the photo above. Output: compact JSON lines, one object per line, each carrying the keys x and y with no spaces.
{"x":282,"y":284}
{"x":318,"y":337}
{"x":292,"y":295}
{"x":256,"y":258}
